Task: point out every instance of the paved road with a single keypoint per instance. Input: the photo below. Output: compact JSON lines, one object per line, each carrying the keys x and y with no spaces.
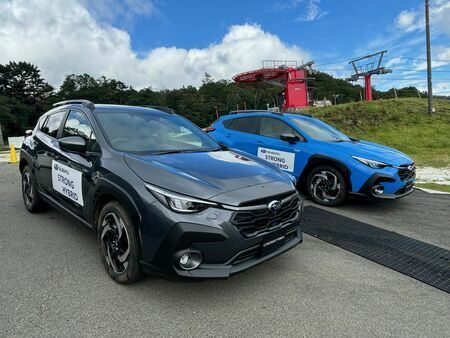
{"x":52,"y":283}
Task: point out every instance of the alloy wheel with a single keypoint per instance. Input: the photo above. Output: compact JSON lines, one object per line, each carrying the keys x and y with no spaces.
{"x":27,"y":189}
{"x":325,"y":186}
{"x":115,"y":242}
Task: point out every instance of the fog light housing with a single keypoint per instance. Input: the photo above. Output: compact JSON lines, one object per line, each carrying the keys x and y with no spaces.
{"x":188,"y":259}
{"x":378,"y":189}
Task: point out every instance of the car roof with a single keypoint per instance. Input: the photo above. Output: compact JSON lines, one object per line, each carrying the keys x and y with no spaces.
{"x":268,"y":113}
{"x":110,"y":108}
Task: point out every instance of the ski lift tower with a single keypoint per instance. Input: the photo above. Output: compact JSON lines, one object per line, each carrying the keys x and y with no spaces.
{"x":367,"y":66}
{"x":285,"y":74}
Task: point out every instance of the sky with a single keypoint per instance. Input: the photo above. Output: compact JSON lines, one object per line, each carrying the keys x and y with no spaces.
{"x":171,"y":44}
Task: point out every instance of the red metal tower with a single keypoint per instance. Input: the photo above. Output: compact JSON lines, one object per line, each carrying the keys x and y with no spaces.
{"x":285,"y":74}
{"x":365,"y":69}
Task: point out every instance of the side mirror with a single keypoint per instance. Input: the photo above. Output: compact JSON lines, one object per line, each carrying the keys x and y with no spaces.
{"x":74,"y":144}
{"x":28,"y":132}
{"x":289,"y":137}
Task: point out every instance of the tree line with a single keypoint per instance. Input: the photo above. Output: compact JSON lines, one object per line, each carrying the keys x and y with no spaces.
{"x":25,"y":95}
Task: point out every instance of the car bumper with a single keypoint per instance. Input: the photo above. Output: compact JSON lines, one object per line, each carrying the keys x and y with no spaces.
{"x":393,"y":188}
{"x":225,"y":251}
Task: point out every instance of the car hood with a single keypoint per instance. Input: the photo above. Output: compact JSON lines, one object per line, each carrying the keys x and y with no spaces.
{"x":373,"y":151}
{"x":208,"y":174}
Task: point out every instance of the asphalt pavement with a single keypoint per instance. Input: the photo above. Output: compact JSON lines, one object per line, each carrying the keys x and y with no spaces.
{"x":52,"y":283}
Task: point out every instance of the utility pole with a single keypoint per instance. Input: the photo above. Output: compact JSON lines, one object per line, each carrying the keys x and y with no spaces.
{"x":395,"y":93}
{"x":430,"y":86}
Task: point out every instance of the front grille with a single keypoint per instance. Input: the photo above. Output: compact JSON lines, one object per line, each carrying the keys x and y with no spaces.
{"x":407,"y":172}
{"x":254,"y":221}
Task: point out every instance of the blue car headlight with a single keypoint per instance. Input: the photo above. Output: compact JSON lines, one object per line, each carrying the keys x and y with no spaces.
{"x":371,"y":163}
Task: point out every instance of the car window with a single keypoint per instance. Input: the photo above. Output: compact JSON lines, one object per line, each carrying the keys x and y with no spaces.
{"x":77,"y":124}
{"x":52,"y":124}
{"x":244,"y":124}
{"x":319,"y":130}
{"x":41,"y":123}
{"x":272,"y":127}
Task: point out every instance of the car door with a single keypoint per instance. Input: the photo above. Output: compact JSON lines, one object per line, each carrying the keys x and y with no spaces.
{"x":72,"y":172}
{"x":287,"y":156}
{"x":240,"y":133}
{"x":46,"y":141}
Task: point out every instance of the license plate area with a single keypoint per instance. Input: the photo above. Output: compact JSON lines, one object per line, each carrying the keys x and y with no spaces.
{"x":273,"y":241}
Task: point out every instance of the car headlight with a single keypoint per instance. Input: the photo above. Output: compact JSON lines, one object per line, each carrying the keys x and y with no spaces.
{"x":371,"y":163}
{"x":178,"y":202}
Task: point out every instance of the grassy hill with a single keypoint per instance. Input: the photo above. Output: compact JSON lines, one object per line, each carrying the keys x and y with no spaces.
{"x":400,"y":123}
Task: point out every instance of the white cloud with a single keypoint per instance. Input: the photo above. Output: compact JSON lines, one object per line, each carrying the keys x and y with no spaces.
{"x":63,"y":37}
{"x":313,"y":12}
{"x":407,"y":21}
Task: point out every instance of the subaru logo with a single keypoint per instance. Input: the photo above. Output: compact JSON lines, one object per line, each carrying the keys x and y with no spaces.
{"x":55,"y":166}
{"x":274,"y":207}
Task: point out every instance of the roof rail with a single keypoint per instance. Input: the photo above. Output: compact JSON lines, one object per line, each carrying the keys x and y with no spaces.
{"x":162,"y":108}
{"x":85,"y":103}
{"x":254,"y":111}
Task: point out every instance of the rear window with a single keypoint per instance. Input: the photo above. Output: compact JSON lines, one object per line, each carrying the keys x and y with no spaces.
{"x":244,"y":124}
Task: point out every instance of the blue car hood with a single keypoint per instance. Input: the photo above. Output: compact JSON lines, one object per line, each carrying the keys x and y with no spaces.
{"x":207,"y":174}
{"x":373,"y":151}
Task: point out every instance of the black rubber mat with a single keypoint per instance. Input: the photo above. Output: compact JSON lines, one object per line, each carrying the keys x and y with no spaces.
{"x":422,"y":261}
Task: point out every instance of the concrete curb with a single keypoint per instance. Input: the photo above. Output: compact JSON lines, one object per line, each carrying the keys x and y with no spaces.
{"x":430,"y":191}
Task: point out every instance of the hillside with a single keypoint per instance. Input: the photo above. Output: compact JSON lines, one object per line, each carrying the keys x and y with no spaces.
{"x":400,"y":123}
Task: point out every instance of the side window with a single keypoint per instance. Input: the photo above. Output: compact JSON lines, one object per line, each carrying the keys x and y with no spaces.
{"x":244,"y":124}
{"x":52,"y":124}
{"x":272,"y":127}
{"x":77,"y":124}
{"x":41,"y":123}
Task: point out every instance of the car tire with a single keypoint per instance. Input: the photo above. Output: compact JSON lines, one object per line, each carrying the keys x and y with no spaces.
{"x":118,"y":244}
{"x":326,"y":185}
{"x":31,"y":199}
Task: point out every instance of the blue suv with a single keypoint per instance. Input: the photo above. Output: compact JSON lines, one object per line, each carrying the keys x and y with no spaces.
{"x":327,"y":164}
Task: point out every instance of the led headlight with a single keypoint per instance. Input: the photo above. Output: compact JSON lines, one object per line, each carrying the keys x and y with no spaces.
{"x":178,"y":202}
{"x":371,"y":163}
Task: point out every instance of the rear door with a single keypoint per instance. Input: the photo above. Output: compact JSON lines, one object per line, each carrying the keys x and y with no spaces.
{"x":72,"y":172}
{"x":240,"y":133}
{"x":288,"y":157}
{"x":46,"y":140}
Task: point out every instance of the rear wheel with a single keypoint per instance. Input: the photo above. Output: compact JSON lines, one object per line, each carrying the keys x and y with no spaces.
{"x":326,"y":185}
{"x":30,"y":195}
{"x":118,"y":244}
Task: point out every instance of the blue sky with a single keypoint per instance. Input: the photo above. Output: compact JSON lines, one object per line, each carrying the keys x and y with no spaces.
{"x":166,"y":44}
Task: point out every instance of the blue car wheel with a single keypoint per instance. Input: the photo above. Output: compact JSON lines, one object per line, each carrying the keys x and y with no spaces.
{"x":326,"y":185}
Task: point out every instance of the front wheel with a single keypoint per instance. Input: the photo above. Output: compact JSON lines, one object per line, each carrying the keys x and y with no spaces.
{"x":118,"y":244}
{"x":326,"y":185}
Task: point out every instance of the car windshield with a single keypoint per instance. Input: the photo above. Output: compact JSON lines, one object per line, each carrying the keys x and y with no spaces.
{"x":153,"y":132}
{"x":319,"y":130}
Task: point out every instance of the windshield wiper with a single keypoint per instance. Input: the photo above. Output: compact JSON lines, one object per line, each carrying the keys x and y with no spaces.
{"x":173,"y":151}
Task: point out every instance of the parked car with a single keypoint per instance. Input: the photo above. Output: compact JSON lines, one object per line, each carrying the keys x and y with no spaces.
{"x":327,"y":164}
{"x":161,"y":195}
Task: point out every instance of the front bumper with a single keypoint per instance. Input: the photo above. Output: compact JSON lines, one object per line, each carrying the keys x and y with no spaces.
{"x":225,"y":250}
{"x":393,"y":187}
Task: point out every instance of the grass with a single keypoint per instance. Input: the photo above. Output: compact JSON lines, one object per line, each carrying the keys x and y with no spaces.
{"x":434,"y":186}
{"x":399,"y":123}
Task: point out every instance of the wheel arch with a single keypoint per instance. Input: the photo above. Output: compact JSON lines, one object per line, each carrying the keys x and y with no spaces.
{"x":108,"y":192}
{"x":319,"y":160}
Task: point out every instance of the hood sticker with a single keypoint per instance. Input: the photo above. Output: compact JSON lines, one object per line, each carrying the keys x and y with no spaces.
{"x":283,"y":160}
{"x":67,"y":181}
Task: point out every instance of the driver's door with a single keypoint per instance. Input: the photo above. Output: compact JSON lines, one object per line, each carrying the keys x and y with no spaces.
{"x":72,"y":172}
{"x":287,"y":156}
